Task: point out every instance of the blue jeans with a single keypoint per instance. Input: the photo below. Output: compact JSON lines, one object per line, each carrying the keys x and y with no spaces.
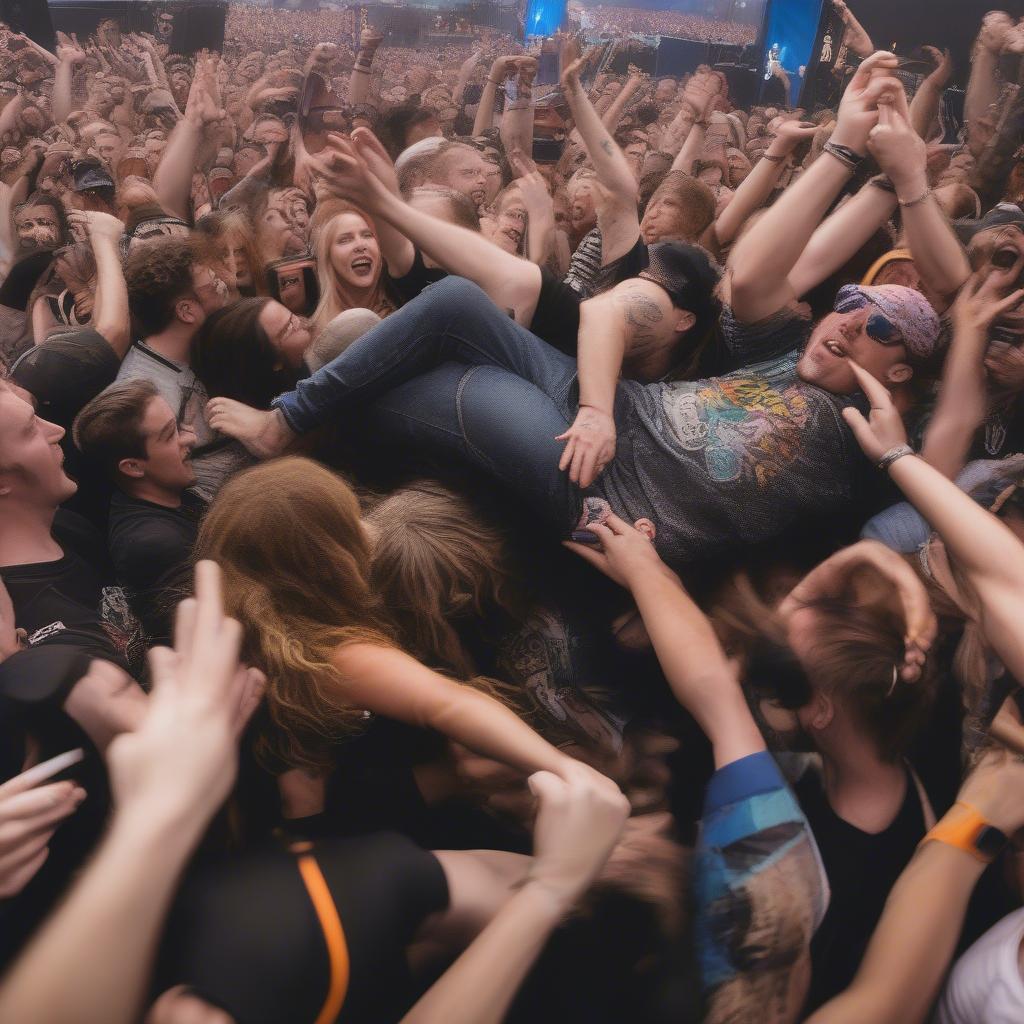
{"x":452,"y":374}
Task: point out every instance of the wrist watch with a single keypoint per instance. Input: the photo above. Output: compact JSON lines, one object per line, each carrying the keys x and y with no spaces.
{"x":965,"y":827}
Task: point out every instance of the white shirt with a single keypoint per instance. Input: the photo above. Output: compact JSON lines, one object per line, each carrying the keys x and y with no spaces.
{"x":985,"y":986}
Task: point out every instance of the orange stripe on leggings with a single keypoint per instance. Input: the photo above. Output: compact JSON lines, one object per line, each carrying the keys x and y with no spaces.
{"x":334,"y":936}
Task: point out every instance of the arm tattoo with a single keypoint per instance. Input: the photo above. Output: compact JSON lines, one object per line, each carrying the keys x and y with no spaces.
{"x":641,"y":314}
{"x":606,"y":146}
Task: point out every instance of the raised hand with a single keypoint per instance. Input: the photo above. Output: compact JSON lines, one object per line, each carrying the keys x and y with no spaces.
{"x":589,"y":445}
{"x":29,"y":815}
{"x":983,"y":299}
{"x":376,"y":159}
{"x":883,"y":428}
{"x":789,"y":135}
{"x":96,"y":226}
{"x":182,"y":760}
{"x":943,"y":61}
{"x":858,"y":111}
{"x":899,"y":150}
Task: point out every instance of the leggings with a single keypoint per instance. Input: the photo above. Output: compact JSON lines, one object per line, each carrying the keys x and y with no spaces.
{"x":452,"y":374}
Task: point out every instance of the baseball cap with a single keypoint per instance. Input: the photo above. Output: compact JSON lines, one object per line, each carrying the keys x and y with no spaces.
{"x":999,"y":215}
{"x":90,"y":173}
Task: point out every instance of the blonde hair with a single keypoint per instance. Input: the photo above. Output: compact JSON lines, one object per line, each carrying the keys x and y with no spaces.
{"x":335,"y":296}
{"x":296,"y":567}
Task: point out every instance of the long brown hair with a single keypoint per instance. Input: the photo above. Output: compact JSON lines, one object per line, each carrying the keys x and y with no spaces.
{"x":855,"y":657}
{"x":437,"y":566}
{"x":296,"y":566}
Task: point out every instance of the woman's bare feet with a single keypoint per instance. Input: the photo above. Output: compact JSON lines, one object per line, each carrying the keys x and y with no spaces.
{"x":264,"y":433}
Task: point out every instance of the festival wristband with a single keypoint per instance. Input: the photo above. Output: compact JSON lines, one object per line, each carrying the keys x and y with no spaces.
{"x":965,"y":828}
{"x":893,"y":454}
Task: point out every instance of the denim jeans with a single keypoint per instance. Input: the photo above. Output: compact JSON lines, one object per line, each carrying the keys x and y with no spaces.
{"x":452,"y":374}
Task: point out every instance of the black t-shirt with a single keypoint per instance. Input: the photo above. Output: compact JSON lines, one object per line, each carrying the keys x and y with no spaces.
{"x":862,"y":868}
{"x":71,"y":600}
{"x":151,"y":547}
{"x":556,"y":319}
{"x":34,"y":685}
{"x":419,"y":277}
{"x":244,"y":934}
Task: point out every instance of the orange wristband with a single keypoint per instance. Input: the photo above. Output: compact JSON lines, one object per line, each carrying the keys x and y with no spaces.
{"x":965,"y":827}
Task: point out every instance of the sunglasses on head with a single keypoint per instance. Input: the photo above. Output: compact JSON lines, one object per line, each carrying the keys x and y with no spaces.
{"x":878,"y":326}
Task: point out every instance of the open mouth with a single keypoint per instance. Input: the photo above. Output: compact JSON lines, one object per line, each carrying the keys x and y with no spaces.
{"x":478,"y":195}
{"x":835,"y":348}
{"x":362,"y":265}
{"x":513,"y":236}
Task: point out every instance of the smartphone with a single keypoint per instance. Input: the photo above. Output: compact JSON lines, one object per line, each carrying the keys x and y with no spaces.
{"x":47,"y":769}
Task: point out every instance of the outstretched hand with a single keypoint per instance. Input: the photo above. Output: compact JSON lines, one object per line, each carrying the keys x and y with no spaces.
{"x":624,"y":553}
{"x":580,"y":817}
{"x":181,"y":762}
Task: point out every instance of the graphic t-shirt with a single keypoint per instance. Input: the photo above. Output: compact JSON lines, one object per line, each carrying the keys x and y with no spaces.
{"x":72,"y":600}
{"x":215,"y":457}
{"x":733,"y":458}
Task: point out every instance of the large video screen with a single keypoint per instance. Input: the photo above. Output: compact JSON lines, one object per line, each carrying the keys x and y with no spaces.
{"x":719,"y":21}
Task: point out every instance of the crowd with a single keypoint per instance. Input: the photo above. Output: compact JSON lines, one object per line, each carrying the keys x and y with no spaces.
{"x":475,"y":552}
{"x":625,"y":20}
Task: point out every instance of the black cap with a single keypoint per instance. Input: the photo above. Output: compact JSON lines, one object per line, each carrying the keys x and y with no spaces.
{"x":65,"y":371}
{"x":687,"y":273}
{"x":1000,"y":214}
{"x":90,"y":173}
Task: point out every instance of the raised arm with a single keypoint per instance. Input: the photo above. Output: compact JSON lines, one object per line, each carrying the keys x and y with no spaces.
{"x":510,"y":282}
{"x":610,"y":118}
{"x":685,"y":642}
{"x":172,"y":180}
{"x":983,"y":549}
{"x":517,"y":120}
{"x":576,"y":827}
{"x":758,"y":185}
{"x":963,"y":397}
{"x":110,"y":306}
{"x":359,"y":83}
{"x":69,"y":55}
{"x":620,"y":222}
{"x":983,"y":84}
{"x":915,"y":938}
{"x":389,"y":682}
{"x":938,"y":255}
{"x":924,"y":107}
{"x":484,"y":119}
{"x":764,"y":257}
{"x":854,"y":37}
{"x":168,"y":778}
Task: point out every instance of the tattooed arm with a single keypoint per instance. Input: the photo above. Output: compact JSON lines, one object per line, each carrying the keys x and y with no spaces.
{"x":628,"y":322}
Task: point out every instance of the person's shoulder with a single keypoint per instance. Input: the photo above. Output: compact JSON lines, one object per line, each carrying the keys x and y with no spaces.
{"x":75,"y":534}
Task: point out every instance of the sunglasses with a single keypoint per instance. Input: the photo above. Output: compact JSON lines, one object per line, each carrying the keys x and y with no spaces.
{"x":878,"y":327}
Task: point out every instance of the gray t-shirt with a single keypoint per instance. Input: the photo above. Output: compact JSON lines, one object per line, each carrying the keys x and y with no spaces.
{"x":733,"y":459}
{"x":215,"y":456}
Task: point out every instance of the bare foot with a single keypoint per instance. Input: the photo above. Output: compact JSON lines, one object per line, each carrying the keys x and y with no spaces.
{"x":264,"y":433}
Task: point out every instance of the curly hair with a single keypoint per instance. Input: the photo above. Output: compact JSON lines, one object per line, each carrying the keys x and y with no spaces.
{"x":158,"y":275}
